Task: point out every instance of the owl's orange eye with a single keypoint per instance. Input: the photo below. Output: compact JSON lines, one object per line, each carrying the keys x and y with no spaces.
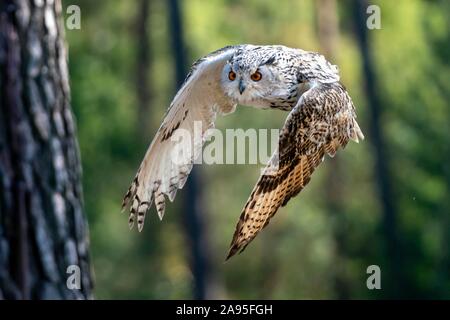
{"x":231,"y":75}
{"x":256,"y":76}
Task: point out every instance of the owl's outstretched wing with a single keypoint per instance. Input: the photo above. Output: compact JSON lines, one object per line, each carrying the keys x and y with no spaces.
{"x":323,"y":120}
{"x":167,"y":163}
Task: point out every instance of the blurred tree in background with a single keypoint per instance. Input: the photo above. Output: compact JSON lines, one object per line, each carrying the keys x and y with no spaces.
{"x":205,"y":284}
{"x":123,"y":77}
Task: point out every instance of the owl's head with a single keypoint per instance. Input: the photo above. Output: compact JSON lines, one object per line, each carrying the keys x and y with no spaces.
{"x":252,"y":79}
{"x":262,"y":76}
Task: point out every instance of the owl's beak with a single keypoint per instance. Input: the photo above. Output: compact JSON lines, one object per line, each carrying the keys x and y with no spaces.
{"x":241,"y":87}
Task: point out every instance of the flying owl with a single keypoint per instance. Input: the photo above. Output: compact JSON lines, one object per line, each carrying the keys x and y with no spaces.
{"x":321,"y":120}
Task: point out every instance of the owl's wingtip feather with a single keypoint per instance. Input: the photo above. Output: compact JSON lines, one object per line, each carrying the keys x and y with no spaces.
{"x":233,"y":250}
{"x":124,"y":206}
{"x":131,"y":222}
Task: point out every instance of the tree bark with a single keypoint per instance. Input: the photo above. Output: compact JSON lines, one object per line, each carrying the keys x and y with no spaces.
{"x":43,"y":229}
{"x":205,"y":282}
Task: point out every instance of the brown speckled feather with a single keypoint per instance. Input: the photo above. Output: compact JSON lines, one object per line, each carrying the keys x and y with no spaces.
{"x":323,"y":121}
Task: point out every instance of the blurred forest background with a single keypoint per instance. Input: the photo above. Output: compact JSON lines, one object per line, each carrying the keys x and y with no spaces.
{"x":384,"y":201}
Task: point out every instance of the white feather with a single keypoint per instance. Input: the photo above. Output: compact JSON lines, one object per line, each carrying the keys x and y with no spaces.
{"x":199,"y":99}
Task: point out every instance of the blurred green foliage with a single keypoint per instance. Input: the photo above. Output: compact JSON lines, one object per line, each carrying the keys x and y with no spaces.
{"x":295,"y":256}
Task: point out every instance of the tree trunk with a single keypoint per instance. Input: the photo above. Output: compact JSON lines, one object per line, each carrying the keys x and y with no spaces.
{"x":328,"y":28}
{"x":205,"y":283}
{"x":395,"y":279}
{"x":143,"y":85}
{"x":43,"y":229}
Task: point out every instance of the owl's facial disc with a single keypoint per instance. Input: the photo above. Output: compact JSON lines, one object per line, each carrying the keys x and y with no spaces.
{"x":248,"y":84}
{"x":255,"y":77}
